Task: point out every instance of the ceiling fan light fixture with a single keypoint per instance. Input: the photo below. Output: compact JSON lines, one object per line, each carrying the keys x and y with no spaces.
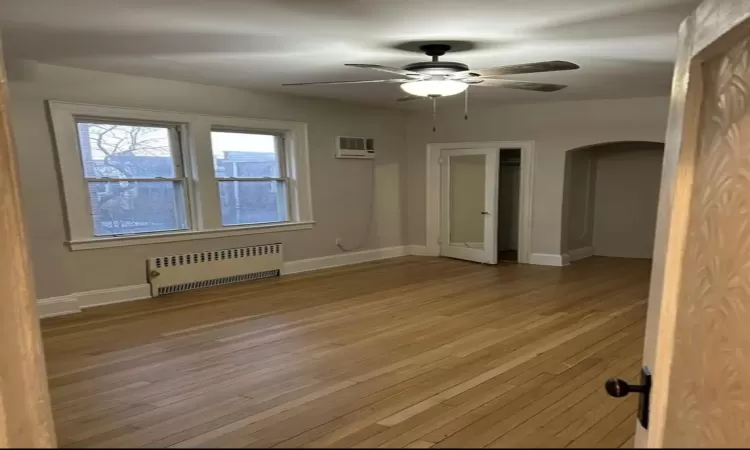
{"x":438,"y":88}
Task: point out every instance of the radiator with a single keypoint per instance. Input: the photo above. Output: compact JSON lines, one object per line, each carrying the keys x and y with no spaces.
{"x":177,"y":273}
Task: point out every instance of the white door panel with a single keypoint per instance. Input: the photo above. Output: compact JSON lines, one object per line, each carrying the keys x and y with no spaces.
{"x":469,"y":180}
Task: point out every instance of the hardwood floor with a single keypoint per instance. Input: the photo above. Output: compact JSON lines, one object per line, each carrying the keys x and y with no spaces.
{"x":409,"y":352}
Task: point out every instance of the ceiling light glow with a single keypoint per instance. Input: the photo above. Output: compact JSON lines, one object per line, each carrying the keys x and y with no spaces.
{"x":440,"y":88}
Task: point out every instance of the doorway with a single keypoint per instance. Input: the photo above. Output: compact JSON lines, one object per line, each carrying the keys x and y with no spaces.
{"x":508,"y":200}
{"x":610,"y":196}
{"x":471,"y":216}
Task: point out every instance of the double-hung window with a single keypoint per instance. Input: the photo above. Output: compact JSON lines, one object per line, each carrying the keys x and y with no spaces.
{"x":140,"y":176}
{"x":251,"y":172}
{"x":134,"y":177}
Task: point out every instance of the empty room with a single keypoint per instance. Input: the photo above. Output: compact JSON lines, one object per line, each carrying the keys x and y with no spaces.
{"x":360,"y":223}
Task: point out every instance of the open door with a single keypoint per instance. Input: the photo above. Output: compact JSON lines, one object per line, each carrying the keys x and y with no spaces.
{"x":698,"y":328}
{"x":468,"y":204}
{"x":25,"y":412}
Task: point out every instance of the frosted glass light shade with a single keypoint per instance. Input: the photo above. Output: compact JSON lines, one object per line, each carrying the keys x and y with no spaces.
{"x":440,"y":88}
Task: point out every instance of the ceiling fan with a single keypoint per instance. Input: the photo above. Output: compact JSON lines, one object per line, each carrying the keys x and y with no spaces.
{"x":433,"y":79}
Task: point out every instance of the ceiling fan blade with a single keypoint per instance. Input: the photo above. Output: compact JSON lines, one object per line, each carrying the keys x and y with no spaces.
{"x":396,"y":70}
{"x":410,"y":98}
{"x":524,"y":85}
{"x":545,"y":66}
{"x":349,"y":82}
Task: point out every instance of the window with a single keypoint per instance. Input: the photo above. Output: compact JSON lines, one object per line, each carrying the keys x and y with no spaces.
{"x":251,"y":175}
{"x":137,"y":177}
{"x":134,"y":177}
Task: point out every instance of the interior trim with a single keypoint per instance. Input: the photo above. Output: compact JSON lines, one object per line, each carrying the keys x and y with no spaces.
{"x":525,"y":204}
{"x":189,"y":235}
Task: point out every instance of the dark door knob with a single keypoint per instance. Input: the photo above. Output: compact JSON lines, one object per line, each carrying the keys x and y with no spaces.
{"x":620,"y":388}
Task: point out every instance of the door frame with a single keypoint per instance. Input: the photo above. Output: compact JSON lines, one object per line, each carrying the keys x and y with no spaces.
{"x":525,"y":201}
{"x":701,"y":36}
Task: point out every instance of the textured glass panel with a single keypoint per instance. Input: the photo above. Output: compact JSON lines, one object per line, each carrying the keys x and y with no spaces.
{"x":467,"y":200}
{"x":244,"y":155}
{"x":125,"y":151}
{"x":248,"y":202}
{"x":125,"y":207}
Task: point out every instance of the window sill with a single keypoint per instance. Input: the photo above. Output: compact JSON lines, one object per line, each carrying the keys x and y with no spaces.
{"x":176,"y":236}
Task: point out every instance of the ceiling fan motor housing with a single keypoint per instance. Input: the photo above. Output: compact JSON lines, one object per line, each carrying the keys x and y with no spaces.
{"x":435,"y":50}
{"x":436,"y":67}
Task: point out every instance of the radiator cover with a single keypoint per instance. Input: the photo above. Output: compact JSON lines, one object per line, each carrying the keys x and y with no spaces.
{"x":177,"y":273}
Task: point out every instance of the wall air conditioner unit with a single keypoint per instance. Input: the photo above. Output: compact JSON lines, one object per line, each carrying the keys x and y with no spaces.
{"x":355,"y":147}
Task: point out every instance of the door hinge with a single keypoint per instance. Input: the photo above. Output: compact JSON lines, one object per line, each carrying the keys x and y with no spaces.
{"x":440,"y":160}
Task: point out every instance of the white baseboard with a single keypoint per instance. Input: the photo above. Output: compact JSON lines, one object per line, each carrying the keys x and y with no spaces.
{"x":57,"y":306}
{"x":343,"y":259}
{"x":547,"y":259}
{"x":115,"y":295}
{"x":418,"y":250}
{"x":74,"y":303}
{"x":580,"y":253}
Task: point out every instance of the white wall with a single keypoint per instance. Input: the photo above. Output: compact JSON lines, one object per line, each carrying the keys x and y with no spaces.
{"x":554,"y":127}
{"x":340,"y":188}
{"x":579,"y":200}
{"x":627,"y":196}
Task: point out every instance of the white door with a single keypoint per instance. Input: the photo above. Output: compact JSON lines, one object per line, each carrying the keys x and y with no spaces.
{"x":698,"y":327}
{"x":468,"y":204}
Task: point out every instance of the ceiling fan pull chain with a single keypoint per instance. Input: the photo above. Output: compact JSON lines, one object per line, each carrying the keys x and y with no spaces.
{"x":466,"y":104}
{"x":434,"y":114}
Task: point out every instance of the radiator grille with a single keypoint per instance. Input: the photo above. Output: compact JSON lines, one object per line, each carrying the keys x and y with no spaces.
{"x":177,"y":273}
{"x":216,"y":255}
{"x":217,"y":281}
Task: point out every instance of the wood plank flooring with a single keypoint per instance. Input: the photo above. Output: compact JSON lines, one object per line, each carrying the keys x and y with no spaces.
{"x":411,"y":352}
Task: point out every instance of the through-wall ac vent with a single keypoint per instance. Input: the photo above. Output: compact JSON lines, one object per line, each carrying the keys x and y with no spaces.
{"x":176,"y":273}
{"x":355,"y":147}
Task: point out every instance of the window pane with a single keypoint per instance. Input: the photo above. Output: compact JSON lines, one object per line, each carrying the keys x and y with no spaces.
{"x":244,"y":155}
{"x":247,"y":202}
{"x":125,"y":151}
{"x":123,"y":207}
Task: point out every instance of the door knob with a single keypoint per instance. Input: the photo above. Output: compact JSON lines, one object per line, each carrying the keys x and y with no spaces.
{"x":620,"y":388}
{"x":485,"y":213}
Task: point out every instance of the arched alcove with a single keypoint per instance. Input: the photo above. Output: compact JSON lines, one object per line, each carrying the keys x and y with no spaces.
{"x":610,"y":198}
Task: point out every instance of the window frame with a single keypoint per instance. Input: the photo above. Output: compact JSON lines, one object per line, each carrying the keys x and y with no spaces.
{"x":202,"y":208}
{"x":174,"y":131}
{"x":281,"y":155}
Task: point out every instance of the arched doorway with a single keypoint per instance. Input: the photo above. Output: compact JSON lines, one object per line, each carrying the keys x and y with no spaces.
{"x":610,"y":198}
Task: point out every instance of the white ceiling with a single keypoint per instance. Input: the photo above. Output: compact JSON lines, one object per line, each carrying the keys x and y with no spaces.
{"x":625,"y":47}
